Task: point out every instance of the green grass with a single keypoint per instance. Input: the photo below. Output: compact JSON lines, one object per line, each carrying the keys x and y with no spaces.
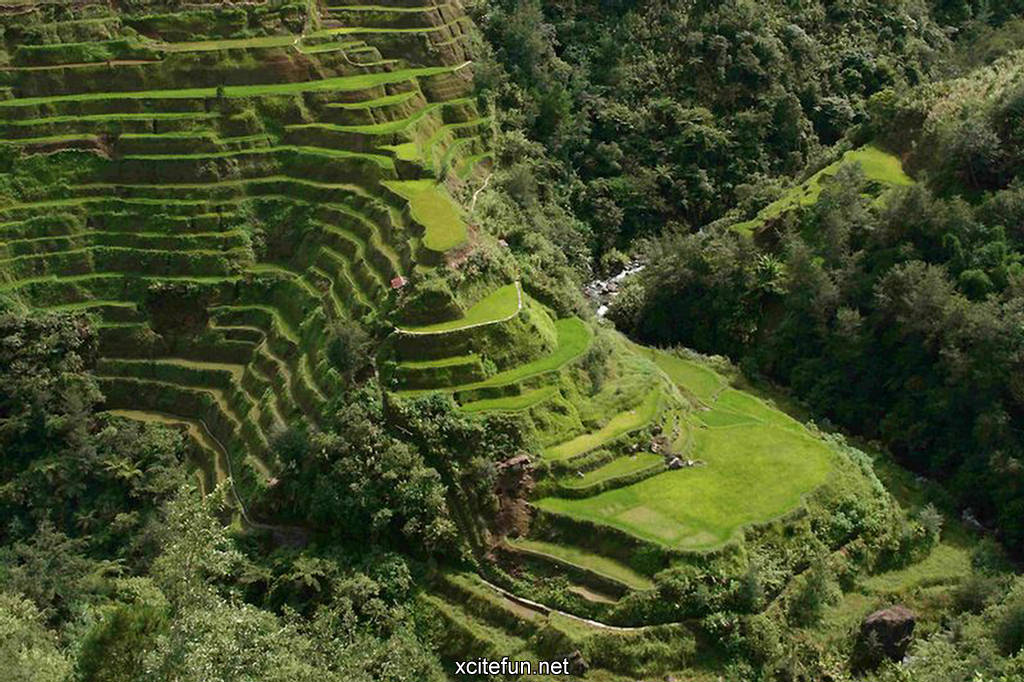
{"x":353,"y":30}
{"x":78,"y":306}
{"x":406,"y":151}
{"x":432,"y":208}
{"x":443,"y":362}
{"x":384,"y":101}
{"x":592,"y":562}
{"x":877,"y":165}
{"x":947,"y":564}
{"x":622,"y":466}
{"x":500,"y":304}
{"x":741,"y":402}
{"x":514,"y":403}
{"x":230,"y":44}
{"x":382,"y":161}
{"x":156,"y":116}
{"x":692,"y":376}
{"x":622,"y":423}
{"x":720,"y":417}
{"x":339,"y":84}
{"x":383,"y":8}
{"x":385,"y":127}
{"x":51,"y":139}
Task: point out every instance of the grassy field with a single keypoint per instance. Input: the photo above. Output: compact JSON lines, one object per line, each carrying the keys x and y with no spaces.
{"x":432,"y":208}
{"x":155,"y":116}
{"x":703,"y":507}
{"x":947,"y":564}
{"x":692,"y":376}
{"x":384,"y":101}
{"x":384,"y":162}
{"x":878,"y":166}
{"x":231,"y":44}
{"x":752,"y":447}
{"x":500,"y":304}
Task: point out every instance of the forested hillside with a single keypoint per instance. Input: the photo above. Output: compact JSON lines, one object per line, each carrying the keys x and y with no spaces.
{"x":895,"y":314}
{"x":298,"y":380}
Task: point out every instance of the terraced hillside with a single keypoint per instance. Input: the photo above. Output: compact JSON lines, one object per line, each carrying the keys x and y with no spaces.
{"x":223,"y":200}
{"x":219,"y":187}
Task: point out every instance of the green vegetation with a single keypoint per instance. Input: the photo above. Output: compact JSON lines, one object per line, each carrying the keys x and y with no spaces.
{"x":433,"y":208}
{"x":616,"y":468}
{"x":501,"y":304}
{"x":690,"y":375}
{"x":573,"y":339}
{"x":592,"y":562}
{"x":513,"y":403}
{"x":876,"y":165}
{"x":705,"y":506}
{"x":621,"y":423}
{"x":339,"y":84}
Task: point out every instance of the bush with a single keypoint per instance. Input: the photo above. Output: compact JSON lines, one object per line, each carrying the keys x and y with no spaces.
{"x":974,"y":593}
{"x":1009,"y":626}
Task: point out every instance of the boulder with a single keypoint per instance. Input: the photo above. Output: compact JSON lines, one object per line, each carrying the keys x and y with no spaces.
{"x":884,"y":634}
{"x":577,"y":665}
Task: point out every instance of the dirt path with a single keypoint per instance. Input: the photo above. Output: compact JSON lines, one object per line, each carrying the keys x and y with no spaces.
{"x":472,"y":204}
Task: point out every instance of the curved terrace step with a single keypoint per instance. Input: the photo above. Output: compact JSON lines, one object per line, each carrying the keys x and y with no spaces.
{"x":215,"y":468}
{"x":334,"y":84}
{"x":625,"y":422}
{"x":500,"y":305}
{"x":576,"y":559}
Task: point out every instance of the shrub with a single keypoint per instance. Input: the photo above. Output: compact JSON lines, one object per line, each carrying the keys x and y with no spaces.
{"x":1009,"y":625}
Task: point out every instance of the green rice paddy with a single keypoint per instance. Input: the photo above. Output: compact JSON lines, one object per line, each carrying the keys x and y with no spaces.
{"x":337,"y":84}
{"x":623,"y":466}
{"x":573,"y":339}
{"x":501,"y":304}
{"x":593,"y":562}
{"x":690,"y":375}
{"x":620,"y":424}
{"x":432,"y":208}
{"x":514,"y":403}
{"x":751,"y":447}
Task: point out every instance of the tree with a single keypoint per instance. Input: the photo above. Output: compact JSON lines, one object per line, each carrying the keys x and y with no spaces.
{"x":28,"y":651}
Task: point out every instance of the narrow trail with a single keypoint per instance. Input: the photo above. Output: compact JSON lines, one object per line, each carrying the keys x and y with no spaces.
{"x":472,"y":204}
{"x":546,"y":610}
{"x":281,"y":531}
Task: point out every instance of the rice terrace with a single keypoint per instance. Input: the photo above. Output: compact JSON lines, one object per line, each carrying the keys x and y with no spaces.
{"x":303,"y":378}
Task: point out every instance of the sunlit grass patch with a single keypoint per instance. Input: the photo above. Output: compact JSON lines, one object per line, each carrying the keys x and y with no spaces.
{"x":432,"y":208}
